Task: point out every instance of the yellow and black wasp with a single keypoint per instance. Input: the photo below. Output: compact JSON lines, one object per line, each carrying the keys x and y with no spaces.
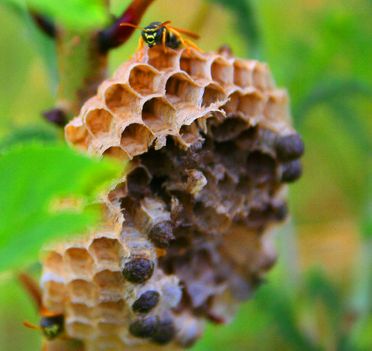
{"x":51,"y":324}
{"x":158,"y":33}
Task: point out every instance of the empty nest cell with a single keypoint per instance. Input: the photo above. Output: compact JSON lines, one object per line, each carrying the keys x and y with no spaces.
{"x":144,"y":79}
{"x":99,"y":121}
{"x":196,"y":67}
{"x":82,"y":291}
{"x":135,"y":139}
{"x":77,"y":134}
{"x":261,"y":76}
{"x":189,"y":133}
{"x":163,"y":60}
{"x":180,"y":88}
{"x":106,"y":251}
{"x":158,"y":114}
{"x":242,"y":74}
{"x":116,"y":152}
{"x":249,"y":105}
{"x":121,"y":101}
{"x":79,"y":330}
{"x":276,"y":107}
{"x":78,"y":262}
{"x":111,"y":311}
{"x":222,"y":72}
{"x":212,"y":94}
{"x":110,"y":284}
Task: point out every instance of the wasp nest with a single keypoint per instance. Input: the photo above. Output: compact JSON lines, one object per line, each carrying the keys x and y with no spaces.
{"x":211,"y":148}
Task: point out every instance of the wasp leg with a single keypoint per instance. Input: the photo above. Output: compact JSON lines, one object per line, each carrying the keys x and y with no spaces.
{"x":164,"y":40}
{"x":185,"y":42}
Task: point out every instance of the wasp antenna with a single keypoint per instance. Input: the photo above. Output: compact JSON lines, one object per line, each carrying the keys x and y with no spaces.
{"x":31,"y":326}
{"x":127,"y":24}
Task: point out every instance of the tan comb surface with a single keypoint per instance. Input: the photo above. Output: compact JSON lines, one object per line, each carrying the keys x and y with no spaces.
{"x":189,"y":229}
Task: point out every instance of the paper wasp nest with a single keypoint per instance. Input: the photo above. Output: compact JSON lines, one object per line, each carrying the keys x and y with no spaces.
{"x":187,"y":236}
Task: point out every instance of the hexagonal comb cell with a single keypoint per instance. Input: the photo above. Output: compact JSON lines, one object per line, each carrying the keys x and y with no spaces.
{"x":99,"y":121}
{"x":195,"y":66}
{"x":111,"y":311}
{"x":163,"y":60}
{"x":82,"y":291}
{"x":144,"y":79}
{"x":78,"y":262}
{"x":158,"y":114}
{"x":116,"y":152}
{"x":228,"y":129}
{"x":261,"y":76}
{"x":222,"y":72}
{"x":242,"y":74}
{"x":121,"y":101}
{"x":79,"y":330}
{"x":212,"y":95}
{"x":180,"y":89}
{"x":54,"y":262}
{"x":79,"y":310}
{"x":77,"y":134}
{"x":249,"y":105}
{"x":189,"y":134}
{"x":276,"y":107}
{"x":135,"y":139}
{"x":106,"y":251}
{"x":110,"y":285}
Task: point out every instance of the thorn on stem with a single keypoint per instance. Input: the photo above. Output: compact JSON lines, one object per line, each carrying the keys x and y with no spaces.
{"x":56,"y":116}
{"x":44,"y":24}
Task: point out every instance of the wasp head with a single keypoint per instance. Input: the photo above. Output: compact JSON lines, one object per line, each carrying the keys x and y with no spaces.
{"x":152,"y":34}
{"x":52,"y":326}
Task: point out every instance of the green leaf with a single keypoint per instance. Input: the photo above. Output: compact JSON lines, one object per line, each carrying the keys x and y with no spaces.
{"x":246,"y":21}
{"x":74,"y":14}
{"x":31,"y":178}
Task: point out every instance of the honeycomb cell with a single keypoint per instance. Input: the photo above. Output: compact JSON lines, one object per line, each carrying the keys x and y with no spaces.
{"x":99,"y":121}
{"x":77,"y":134}
{"x":189,"y":134}
{"x":229,"y":129}
{"x":79,"y":329}
{"x":276,"y":106}
{"x":163,"y":60}
{"x":213,"y":94}
{"x":261,"y":76}
{"x":242,"y":74}
{"x":222,"y":72}
{"x":80,"y":310}
{"x":180,"y":89}
{"x":122,"y":101}
{"x":82,"y":291}
{"x":110,"y":285}
{"x":135,"y":139}
{"x":116,"y":152}
{"x":249,"y":105}
{"x":194,"y":65}
{"x":106,"y":252}
{"x":158,"y":115}
{"x":112,"y":312}
{"x":78,"y":262}
{"x":54,"y":262}
{"x":144,"y":79}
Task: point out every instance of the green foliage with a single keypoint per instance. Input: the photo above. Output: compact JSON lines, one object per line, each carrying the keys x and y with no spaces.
{"x":78,"y":14}
{"x":31,"y":177}
{"x":246,"y":21}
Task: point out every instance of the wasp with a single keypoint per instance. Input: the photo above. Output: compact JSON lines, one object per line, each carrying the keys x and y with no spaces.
{"x":158,"y":33}
{"x":51,"y":324}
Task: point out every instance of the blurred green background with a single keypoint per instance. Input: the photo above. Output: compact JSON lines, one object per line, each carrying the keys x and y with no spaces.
{"x":318,"y":297}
